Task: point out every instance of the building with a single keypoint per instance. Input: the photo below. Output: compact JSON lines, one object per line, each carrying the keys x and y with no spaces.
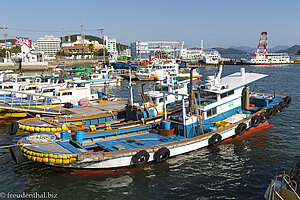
{"x":48,"y":45}
{"x":22,"y":40}
{"x":111,"y":45}
{"x":148,"y":50}
{"x":81,"y":46}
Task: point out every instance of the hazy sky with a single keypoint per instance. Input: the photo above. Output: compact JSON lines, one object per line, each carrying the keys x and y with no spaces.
{"x":220,"y":23}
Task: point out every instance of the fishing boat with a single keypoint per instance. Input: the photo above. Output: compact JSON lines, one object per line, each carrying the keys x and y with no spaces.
{"x":263,"y":57}
{"x":218,"y":110}
{"x":285,"y":186}
{"x":110,"y":114}
{"x":211,"y":57}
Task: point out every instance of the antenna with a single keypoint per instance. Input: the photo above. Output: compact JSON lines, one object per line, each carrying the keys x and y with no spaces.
{"x":263,"y":43}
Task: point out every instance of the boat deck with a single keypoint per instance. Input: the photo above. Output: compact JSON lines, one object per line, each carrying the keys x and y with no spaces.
{"x":110,"y":144}
{"x":96,"y":109}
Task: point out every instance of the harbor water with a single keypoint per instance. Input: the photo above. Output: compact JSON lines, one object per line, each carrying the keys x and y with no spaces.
{"x":241,"y":169}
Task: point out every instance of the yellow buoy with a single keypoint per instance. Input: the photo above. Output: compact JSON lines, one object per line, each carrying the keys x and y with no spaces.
{"x":31,"y":129}
{"x":66,"y":161}
{"x":59,"y":156}
{"x":33,"y":158}
{"x":58,"y":161}
{"x":64,"y":127}
{"x":72,"y":160}
{"x":43,"y":129}
{"x":58,"y":129}
{"x":52,"y":160}
{"x":37,"y":129}
{"x":50,"y":155}
{"x":48,"y":129}
{"x":29,"y":157}
{"x":46,"y":155}
{"x":53,"y":129}
{"x":37,"y":154}
{"x":64,"y":156}
{"x":55,"y":156}
{"x":22,"y":127}
{"x":27,"y":128}
{"x":39,"y":159}
{"x":45,"y":160}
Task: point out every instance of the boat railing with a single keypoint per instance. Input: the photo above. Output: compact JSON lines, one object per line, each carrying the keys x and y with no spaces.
{"x":287,"y":188}
{"x":25,"y":101}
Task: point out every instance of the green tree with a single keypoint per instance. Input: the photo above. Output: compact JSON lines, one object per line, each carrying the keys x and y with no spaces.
{"x":15,"y":49}
{"x":91,"y":47}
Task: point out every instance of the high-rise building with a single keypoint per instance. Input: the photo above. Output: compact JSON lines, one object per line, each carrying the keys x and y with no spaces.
{"x":111,"y":45}
{"x":49,"y":45}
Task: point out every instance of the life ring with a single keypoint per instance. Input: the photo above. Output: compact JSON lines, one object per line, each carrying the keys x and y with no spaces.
{"x":270,"y":113}
{"x":241,"y":128}
{"x":282,"y":105}
{"x":263,"y":117}
{"x":140,"y":158}
{"x":162,"y":154}
{"x":14,"y":127}
{"x":255,"y":120}
{"x":16,"y":154}
{"x":215,"y":140}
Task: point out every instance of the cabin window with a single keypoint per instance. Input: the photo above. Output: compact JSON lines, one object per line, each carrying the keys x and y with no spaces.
{"x":8,"y":87}
{"x":227,"y":94}
{"x":66,"y":93}
{"x":48,"y":90}
{"x":208,"y":95}
{"x":212,"y":112}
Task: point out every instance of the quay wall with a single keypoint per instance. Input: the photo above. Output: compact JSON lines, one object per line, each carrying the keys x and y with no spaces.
{"x":44,"y":66}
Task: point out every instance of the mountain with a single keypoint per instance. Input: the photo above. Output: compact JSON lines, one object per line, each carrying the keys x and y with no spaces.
{"x":279,"y":48}
{"x":229,"y":51}
{"x":120,"y":47}
{"x":292,"y":50}
{"x":244,"y":48}
{"x":8,"y":40}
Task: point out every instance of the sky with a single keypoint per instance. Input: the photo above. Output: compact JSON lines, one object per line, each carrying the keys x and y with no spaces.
{"x":219,"y":23}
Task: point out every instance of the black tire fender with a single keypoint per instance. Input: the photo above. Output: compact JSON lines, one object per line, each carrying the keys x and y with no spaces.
{"x":241,"y":128}
{"x":14,"y":127}
{"x":288,"y":101}
{"x":162,"y":154}
{"x":16,"y":154}
{"x":270,"y":113}
{"x":276,"y":109}
{"x":255,"y":120}
{"x":140,"y":158}
{"x":263,"y":117}
{"x":215,"y":140}
{"x":282,"y":105}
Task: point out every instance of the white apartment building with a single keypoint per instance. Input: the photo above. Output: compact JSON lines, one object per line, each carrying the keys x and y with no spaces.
{"x":111,"y":45}
{"x":49,"y":45}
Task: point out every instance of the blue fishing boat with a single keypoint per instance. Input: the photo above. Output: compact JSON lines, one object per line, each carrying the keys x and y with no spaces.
{"x":218,"y":110}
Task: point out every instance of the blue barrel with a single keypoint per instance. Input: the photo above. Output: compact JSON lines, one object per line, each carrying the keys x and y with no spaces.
{"x":166,"y":125}
{"x":212,"y":128}
{"x":64,"y":135}
{"x":79,"y":136}
{"x":100,"y":95}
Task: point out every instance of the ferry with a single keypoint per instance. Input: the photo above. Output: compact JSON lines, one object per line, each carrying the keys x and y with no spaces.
{"x":263,"y":57}
{"x":211,"y":57}
{"x":218,"y":110}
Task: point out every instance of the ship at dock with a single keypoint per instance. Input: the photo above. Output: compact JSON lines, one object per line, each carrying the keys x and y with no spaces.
{"x":263,"y":57}
{"x":217,"y":110}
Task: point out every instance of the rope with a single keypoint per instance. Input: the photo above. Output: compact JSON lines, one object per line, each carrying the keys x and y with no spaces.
{"x":40,"y":139}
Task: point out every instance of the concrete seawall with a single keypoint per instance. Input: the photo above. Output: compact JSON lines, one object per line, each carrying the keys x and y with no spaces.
{"x":44,"y":66}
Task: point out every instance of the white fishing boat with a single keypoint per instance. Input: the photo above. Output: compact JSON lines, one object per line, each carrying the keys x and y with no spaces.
{"x":263,"y":57}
